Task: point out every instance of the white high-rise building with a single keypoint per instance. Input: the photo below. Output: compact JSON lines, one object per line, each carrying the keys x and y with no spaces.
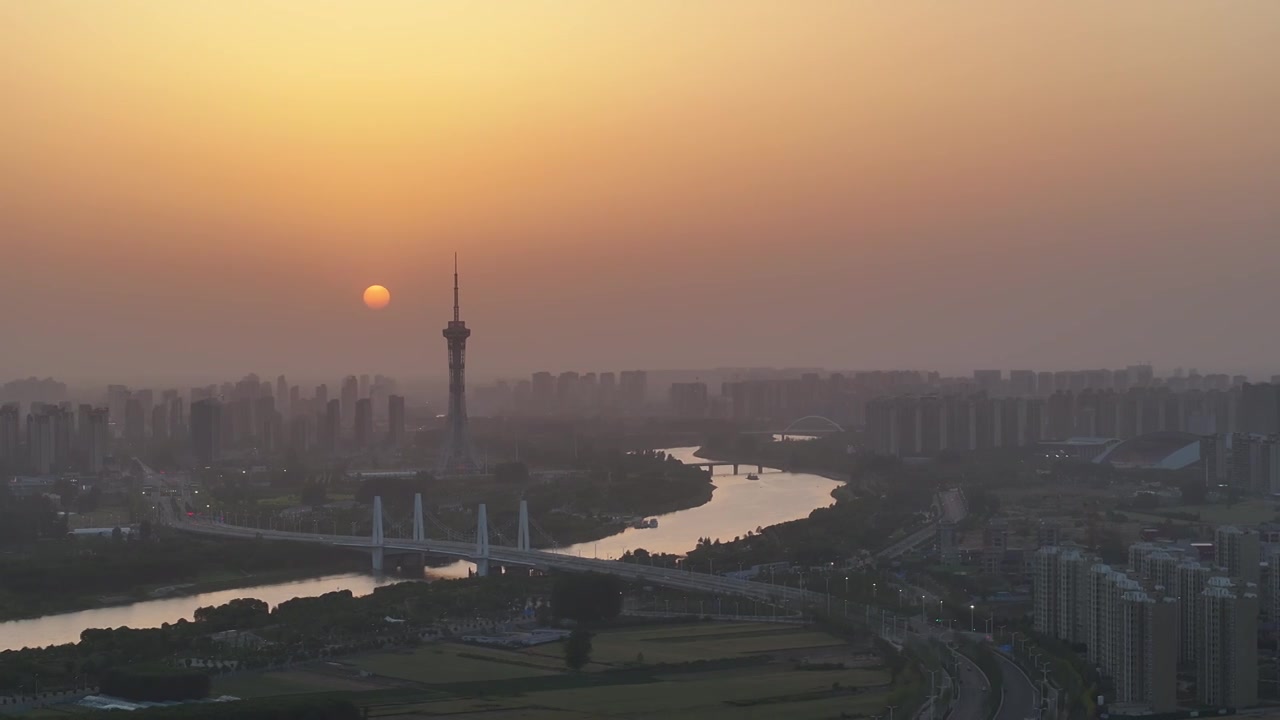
{"x":1072,"y":565}
{"x":1046,"y":593}
{"x":1272,"y":594}
{"x":1146,"y":671}
{"x":1191,"y":578}
{"x":1237,"y":553}
{"x":97,"y":437}
{"x":1227,"y":671}
{"x":40,"y":442}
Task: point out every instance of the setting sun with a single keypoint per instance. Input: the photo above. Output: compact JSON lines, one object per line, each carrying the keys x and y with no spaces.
{"x":376,"y":297}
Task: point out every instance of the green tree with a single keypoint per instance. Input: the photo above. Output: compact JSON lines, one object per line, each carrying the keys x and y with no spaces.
{"x":313,"y":494}
{"x":893,"y":658}
{"x":65,"y":491}
{"x":586,"y":597}
{"x":1111,"y":547}
{"x":577,"y":649}
{"x":1193,"y":491}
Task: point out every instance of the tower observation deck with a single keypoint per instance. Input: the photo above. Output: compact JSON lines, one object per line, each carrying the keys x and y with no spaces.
{"x":455,"y":457}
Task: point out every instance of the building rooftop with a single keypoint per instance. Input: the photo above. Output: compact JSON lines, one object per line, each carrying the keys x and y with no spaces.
{"x":1080,"y":442}
{"x":1165,"y":450}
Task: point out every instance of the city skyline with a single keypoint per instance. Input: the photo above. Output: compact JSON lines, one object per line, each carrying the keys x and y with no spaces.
{"x":1065,"y":184}
{"x":435,"y":385}
{"x":924,"y":347}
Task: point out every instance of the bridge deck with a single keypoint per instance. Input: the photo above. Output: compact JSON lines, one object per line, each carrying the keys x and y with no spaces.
{"x":502,"y":555}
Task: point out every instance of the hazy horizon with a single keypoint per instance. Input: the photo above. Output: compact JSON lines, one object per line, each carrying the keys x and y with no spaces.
{"x":431,"y":387}
{"x":204,"y":190}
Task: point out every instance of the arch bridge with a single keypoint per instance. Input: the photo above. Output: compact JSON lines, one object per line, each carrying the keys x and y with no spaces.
{"x":824,"y":426}
{"x":828,"y":425}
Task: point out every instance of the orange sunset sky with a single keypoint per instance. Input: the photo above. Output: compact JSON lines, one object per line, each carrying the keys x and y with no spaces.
{"x":205,"y":188}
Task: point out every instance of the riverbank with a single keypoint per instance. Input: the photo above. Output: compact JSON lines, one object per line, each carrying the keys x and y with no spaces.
{"x":335,"y":621}
{"x":76,"y":603}
{"x":607,"y":500}
{"x":865,"y":512}
{"x":67,"y":576}
{"x":737,"y":507}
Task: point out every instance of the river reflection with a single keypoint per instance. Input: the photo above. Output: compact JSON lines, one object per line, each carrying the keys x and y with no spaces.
{"x":66,"y":627}
{"x":737,"y":506}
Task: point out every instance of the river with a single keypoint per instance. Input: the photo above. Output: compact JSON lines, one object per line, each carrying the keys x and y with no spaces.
{"x":737,"y":506}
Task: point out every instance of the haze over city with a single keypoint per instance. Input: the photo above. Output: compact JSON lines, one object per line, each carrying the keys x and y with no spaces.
{"x":194,"y":190}
{"x":680,"y":359}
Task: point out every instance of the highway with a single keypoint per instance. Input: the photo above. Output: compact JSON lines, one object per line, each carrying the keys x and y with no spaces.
{"x":1019,"y":693}
{"x":916,"y":538}
{"x":951,"y":507}
{"x":974,"y":688}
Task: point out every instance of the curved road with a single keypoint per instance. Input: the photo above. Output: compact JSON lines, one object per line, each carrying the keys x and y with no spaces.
{"x":1019,"y":693}
{"x":971,"y":703}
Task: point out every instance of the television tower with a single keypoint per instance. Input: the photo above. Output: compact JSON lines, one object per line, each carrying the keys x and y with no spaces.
{"x":455,"y":456}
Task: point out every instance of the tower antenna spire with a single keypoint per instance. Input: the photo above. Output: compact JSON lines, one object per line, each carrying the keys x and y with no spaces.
{"x":455,"y":457}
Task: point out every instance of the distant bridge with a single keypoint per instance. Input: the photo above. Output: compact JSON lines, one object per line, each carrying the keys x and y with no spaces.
{"x":715,"y":464}
{"x":825,"y":426}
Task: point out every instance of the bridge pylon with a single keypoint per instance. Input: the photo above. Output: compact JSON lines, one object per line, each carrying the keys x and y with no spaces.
{"x":419,"y":525}
{"x":378,"y":540}
{"x":482,"y":541}
{"x":522,"y":531}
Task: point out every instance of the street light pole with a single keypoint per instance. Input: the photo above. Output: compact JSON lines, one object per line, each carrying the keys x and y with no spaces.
{"x":971,"y":628}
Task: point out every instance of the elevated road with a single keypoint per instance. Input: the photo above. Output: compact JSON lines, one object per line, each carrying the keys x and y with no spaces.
{"x":544,"y":559}
{"x":951,"y":508}
{"x":1019,"y":692}
{"x":971,"y":702}
{"x":909,"y":542}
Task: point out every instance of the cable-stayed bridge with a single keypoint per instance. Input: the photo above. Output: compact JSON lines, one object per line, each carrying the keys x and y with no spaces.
{"x":484,"y":553}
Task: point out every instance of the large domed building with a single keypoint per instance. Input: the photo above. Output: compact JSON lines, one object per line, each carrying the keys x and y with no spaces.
{"x":1164,"y":450}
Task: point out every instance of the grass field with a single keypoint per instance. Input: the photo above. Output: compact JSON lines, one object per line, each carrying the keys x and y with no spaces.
{"x":695,"y":696}
{"x":1248,"y":512}
{"x":289,"y":682}
{"x":1253,"y":511}
{"x":664,"y":647}
{"x":446,"y":663}
{"x":108,"y":517}
{"x":757,"y":676}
